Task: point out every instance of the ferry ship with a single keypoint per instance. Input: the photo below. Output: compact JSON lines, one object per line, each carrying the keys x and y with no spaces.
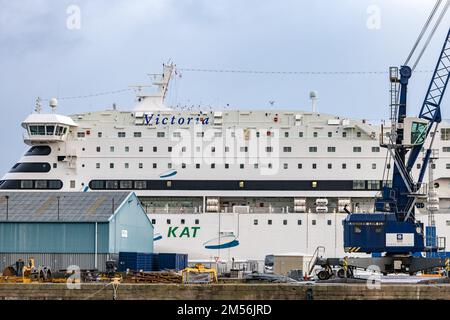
{"x":229,"y":185}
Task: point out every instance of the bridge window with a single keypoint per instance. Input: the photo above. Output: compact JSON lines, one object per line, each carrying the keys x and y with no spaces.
{"x":140,"y":184}
{"x":37,"y":130}
{"x":359,"y":184}
{"x":356,"y":149}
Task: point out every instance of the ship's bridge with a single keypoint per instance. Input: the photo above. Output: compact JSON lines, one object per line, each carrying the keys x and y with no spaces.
{"x":46,"y":128}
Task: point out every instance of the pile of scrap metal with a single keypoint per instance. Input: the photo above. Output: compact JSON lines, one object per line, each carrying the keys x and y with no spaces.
{"x":26,"y":273}
{"x":199,"y":274}
{"x":153,"y":277}
{"x":267,"y":277}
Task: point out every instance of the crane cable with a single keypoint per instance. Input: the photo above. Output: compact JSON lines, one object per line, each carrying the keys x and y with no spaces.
{"x":422,"y":32}
{"x":430,"y":36}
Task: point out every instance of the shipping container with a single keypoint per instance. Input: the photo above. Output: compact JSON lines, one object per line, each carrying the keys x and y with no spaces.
{"x":172,"y":261}
{"x":137,"y":261}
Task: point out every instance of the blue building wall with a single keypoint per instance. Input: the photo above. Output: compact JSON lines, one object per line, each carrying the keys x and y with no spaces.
{"x":17,"y":237}
{"x":130,"y":230}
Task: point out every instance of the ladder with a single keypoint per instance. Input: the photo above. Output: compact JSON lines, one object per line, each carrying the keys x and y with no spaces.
{"x":394,"y":92}
{"x":320,"y":250}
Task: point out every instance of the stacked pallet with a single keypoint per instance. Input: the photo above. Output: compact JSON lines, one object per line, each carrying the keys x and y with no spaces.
{"x":155,"y":277}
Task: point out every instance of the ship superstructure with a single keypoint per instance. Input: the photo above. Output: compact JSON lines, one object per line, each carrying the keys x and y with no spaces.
{"x":230,"y":184}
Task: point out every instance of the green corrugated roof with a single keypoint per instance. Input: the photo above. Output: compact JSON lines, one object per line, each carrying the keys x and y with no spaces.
{"x":73,"y":206}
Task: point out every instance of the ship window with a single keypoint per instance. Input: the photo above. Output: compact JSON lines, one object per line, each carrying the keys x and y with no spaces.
{"x":97,"y":184}
{"x":121,"y":134}
{"x":140,"y":184}
{"x":299,"y":222}
{"x":356,"y":149}
{"x":155,"y":165}
{"x":50,"y":130}
{"x":26,"y":184}
{"x":97,"y":165}
{"x":330,"y":134}
{"x":255,"y":166}
{"x":373,"y":184}
{"x":197,"y":165}
{"x":111,"y":149}
{"x":141,"y":165}
{"x":227,"y":149}
{"x":375,"y":149}
{"x":285,"y":166}
{"x":329,"y":222}
{"x":300,"y":134}
{"x":358,"y":134}
{"x":55,"y":165}
{"x":176,"y":134}
{"x":127,"y":165}
{"x":344,"y":166}
{"x":81,"y":134}
{"x":257,"y":134}
{"x":243,"y":149}
{"x":269,"y":166}
{"x":227,"y":166}
{"x":418,"y":166}
{"x":241,"y":166}
{"x":269,"y":222}
{"x":286,"y":134}
{"x":168,"y":221}
{"x":155,"y":149}
{"x":299,"y":166}
{"x":127,"y":149}
{"x":160,"y":134}
{"x":197,"y":149}
{"x":331,"y":149}
{"x":37,"y":130}
{"x":359,"y":184}
{"x":314,"y":165}
{"x":55,"y":184}
{"x":388,"y":166}
{"x":330,"y":166}
{"x":344,"y":134}
{"x":447,"y":165}
{"x":141,"y":149}
{"x":197,"y":221}
{"x":287,"y":149}
{"x":72,"y":184}
{"x":213,"y":149}
{"x":98,"y":149}
{"x":169,"y":166}
{"x":315,"y":134}
{"x":269,"y":149}
{"x":445,"y":149}
{"x":31,"y":167}
{"x":358,"y":166}
{"x":112,"y":184}
{"x":213,"y":165}
{"x":111,"y":165}
{"x":445,"y":134}
{"x":433,"y":166}
{"x":99,"y":134}
{"x":312,"y":149}
{"x":169,"y":149}
{"x":285,"y":222}
{"x":138,"y":134}
{"x":374,"y":165}
{"x":40,"y":184}
{"x":314,"y":222}
{"x":183,"y":165}
{"x":126,"y":184}
{"x":182,"y":221}
{"x":39,"y":151}
{"x":255,"y":222}
{"x":183,"y":149}
{"x":153,"y":221}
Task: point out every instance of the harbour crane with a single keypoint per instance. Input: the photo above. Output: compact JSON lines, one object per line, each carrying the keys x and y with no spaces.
{"x":392,"y":234}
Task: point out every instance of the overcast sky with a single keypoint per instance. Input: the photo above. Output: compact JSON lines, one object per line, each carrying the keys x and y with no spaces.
{"x":119,"y":42}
